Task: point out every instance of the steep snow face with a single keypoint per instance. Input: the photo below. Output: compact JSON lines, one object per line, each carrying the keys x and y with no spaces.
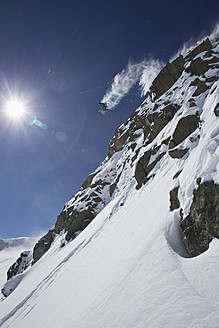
{"x":129,"y":267}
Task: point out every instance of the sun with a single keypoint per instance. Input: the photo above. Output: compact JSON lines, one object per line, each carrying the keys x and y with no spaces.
{"x":15,"y":109}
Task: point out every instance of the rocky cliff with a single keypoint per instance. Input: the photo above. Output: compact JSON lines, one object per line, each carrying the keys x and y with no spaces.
{"x":171,"y":126}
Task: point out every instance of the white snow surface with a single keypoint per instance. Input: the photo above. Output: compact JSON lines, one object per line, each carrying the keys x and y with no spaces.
{"x":10,"y":249}
{"x":129,"y":268}
{"x":123,"y":270}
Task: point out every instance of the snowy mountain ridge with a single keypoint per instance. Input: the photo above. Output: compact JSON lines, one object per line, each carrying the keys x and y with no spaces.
{"x":24,"y":242}
{"x":149,"y":209}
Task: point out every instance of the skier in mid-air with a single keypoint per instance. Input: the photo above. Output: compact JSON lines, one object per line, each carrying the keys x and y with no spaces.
{"x":104,"y":108}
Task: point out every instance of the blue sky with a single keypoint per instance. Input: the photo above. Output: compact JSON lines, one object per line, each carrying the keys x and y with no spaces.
{"x":61,"y":56}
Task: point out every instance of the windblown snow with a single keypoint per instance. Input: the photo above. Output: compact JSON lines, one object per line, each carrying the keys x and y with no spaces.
{"x":129,"y":267}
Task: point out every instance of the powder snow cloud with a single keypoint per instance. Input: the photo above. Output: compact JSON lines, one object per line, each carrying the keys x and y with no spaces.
{"x":193,"y":42}
{"x":215,"y":33}
{"x":142,"y":73}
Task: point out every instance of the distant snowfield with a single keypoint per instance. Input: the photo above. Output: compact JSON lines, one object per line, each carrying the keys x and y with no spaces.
{"x":123,"y":270}
{"x":10,"y":250}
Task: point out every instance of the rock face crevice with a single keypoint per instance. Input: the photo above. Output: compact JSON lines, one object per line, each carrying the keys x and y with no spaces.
{"x":202,"y":223}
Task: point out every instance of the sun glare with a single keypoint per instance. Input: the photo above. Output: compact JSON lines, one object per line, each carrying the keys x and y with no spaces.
{"x":15,"y":109}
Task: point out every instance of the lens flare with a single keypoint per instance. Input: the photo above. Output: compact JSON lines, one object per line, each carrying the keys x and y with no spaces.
{"x":35,"y":121}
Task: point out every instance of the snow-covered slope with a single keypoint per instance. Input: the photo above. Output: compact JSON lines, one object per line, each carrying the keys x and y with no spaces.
{"x":121,"y":271}
{"x":123,"y":252}
{"x":10,"y":249}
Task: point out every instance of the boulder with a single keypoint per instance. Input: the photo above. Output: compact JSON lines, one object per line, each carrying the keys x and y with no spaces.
{"x":201,"y":225}
{"x":201,"y":87}
{"x":184,"y":128}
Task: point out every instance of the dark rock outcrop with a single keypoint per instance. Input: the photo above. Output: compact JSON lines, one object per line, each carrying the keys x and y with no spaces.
{"x":112,"y":189}
{"x":177,"y":153}
{"x":202,"y":223}
{"x":204,"y":46}
{"x":201,"y":87}
{"x":73,"y":222}
{"x":20,"y":265}
{"x":184,"y":128}
{"x":143,"y":168}
{"x":117,"y":142}
{"x":198,"y":67}
{"x":192,"y":104}
{"x":216,"y":109}
{"x":155,"y":122}
{"x":174,"y":200}
{"x":114,"y":185}
{"x":213,"y":60}
{"x":166,"y":78}
{"x":177,"y":174}
{"x":87,"y":183}
{"x":43,"y":245}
